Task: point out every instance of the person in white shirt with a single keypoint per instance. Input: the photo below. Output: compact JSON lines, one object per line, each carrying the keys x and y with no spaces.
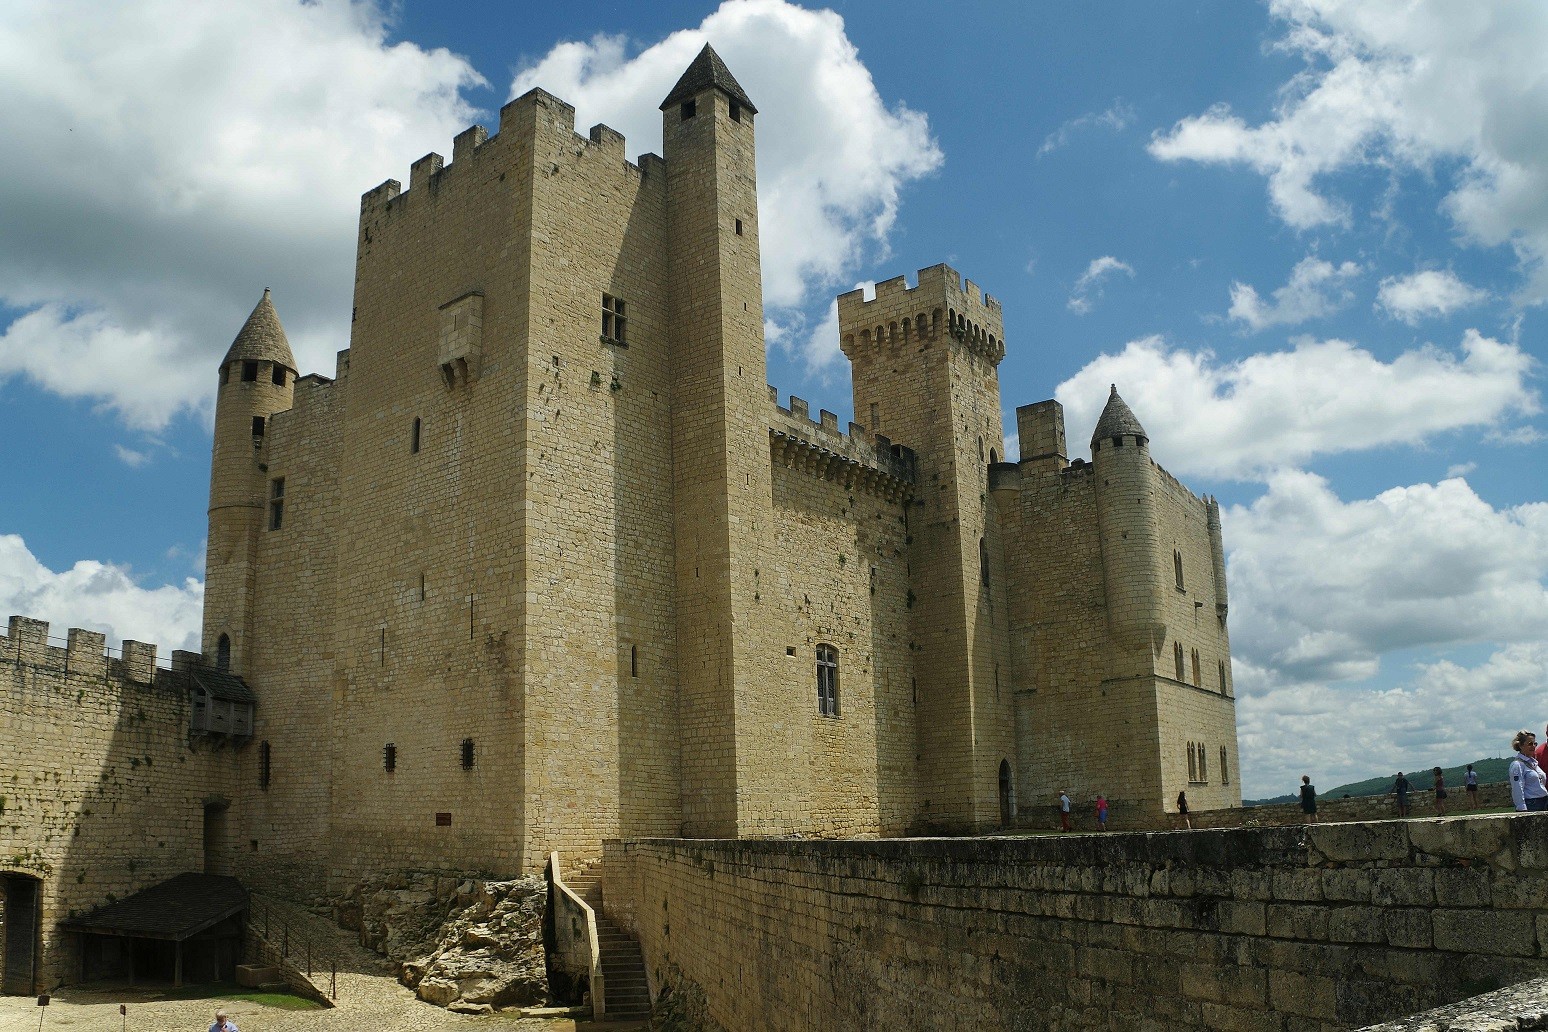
{"x":1528,"y":787}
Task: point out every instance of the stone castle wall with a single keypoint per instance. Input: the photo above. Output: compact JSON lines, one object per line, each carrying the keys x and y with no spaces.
{"x":101,"y":793}
{"x":1327,"y":927}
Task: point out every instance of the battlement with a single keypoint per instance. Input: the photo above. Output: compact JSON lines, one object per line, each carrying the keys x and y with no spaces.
{"x":521,"y":121}
{"x":85,"y":653}
{"x":942,"y":302}
{"x":858,"y":458}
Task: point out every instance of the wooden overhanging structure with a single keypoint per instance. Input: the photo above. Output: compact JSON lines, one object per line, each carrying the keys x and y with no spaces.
{"x":154,"y":933}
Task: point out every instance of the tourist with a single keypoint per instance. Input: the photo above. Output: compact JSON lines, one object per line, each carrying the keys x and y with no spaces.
{"x":1064,"y":809}
{"x":1528,"y":790}
{"x":1471,"y":781}
{"x":1308,"y":799}
{"x":223,"y":1023}
{"x":1440,"y":792}
{"x":1101,"y":808}
{"x":1182,"y":810}
{"x":1400,"y":786}
{"x":1540,"y":754}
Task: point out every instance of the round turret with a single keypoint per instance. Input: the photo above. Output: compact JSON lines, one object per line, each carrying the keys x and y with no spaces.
{"x":1127,"y":520}
{"x":257,"y":379}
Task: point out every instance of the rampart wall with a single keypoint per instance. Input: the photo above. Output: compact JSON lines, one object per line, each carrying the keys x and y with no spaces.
{"x":1327,"y":927}
{"x":101,"y":794}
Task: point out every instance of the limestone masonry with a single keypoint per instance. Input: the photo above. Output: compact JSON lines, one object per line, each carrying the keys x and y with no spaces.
{"x":546,"y":562}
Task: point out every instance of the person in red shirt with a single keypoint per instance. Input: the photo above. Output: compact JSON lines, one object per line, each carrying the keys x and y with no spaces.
{"x":1541,"y":755}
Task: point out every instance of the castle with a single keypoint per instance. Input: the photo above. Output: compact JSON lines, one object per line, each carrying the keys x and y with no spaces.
{"x":546,"y":563}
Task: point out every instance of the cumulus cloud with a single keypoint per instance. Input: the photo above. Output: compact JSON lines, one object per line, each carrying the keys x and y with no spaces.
{"x":1453,"y":90}
{"x":1426,"y":294}
{"x":1323,"y":587}
{"x":1244,"y":418}
{"x":833,"y":158}
{"x":1088,"y":288}
{"x":181,"y":157}
{"x":1316,"y":288}
{"x":1116,"y":118}
{"x":1442,"y":713}
{"x":99,"y":597}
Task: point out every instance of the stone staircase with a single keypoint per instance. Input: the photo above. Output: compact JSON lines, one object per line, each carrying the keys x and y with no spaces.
{"x":623,"y":966}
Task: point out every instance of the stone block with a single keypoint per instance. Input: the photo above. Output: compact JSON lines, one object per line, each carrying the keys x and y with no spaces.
{"x":1510,"y":933}
{"x":1462,"y":887}
{"x":1351,"y":885}
{"x":1299,"y":885}
{"x":1403,"y":887}
{"x":1408,"y":928}
{"x":1292,"y":921}
{"x":254,"y":975}
{"x":1475,"y":839}
{"x":1309,"y":996}
{"x":1250,"y":918}
{"x":1356,"y":925}
{"x":1359,"y":843}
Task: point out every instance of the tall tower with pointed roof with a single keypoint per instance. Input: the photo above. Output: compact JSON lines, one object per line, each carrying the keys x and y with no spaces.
{"x":257,"y":379}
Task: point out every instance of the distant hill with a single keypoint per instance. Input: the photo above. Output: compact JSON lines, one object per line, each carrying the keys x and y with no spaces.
{"x":1490,"y":771}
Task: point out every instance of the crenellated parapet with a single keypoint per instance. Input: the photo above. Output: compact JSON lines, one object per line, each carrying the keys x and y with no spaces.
{"x":83,"y":653}
{"x":857,"y":459}
{"x":521,"y":122}
{"x":942,"y":306}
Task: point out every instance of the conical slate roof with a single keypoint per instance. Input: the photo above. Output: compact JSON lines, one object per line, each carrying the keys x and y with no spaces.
{"x":1117,"y":420}
{"x":707,"y":71}
{"x":262,"y":338}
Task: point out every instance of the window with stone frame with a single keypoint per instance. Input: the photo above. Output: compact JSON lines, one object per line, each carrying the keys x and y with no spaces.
{"x":827,"y":681}
{"x":615,"y":322}
{"x":276,"y":503}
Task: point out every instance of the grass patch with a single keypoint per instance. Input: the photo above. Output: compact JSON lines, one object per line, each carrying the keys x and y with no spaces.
{"x":236,"y":993}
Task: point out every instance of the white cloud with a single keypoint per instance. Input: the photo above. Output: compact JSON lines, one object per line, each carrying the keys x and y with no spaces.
{"x":1243,"y":418}
{"x":1117,"y":118}
{"x":1088,"y":288}
{"x":833,"y":158}
{"x":1321,"y":588}
{"x":179,"y":158}
{"x":129,"y":457}
{"x":1460,"y":469}
{"x":99,"y":597}
{"x":1425,"y":294}
{"x":1316,"y":288}
{"x":1449,"y":89}
{"x":1443,"y":714}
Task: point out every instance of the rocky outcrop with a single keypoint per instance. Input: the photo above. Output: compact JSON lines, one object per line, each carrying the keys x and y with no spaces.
{"x":461,"y":943}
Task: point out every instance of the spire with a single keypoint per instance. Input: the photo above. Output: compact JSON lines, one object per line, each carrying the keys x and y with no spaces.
{"x":707,"y":71}
{"x":1118,"y":420}
{"x":262,"y":338}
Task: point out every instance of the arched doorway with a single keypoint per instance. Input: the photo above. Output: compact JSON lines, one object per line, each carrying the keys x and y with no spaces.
{"x":1007,"y":795}
{"x":20,"y":901}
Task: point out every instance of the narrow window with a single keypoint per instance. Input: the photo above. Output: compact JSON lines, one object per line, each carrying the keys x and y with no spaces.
{"x":827,"y":680}
{"x":738,"y":227}
{"x":414,"y":437}
{"x":389,"y":757}
{"x":264,"y":765}
{"x":257,"y":426}
{"x":276,"y":503}
{"x":249,"y":372}
{"x":634,"y":661}
{"x":1177,"y":654}
{"x":983,"y":562}
{"x":875,"y":416}
{"x":1193,"y":765}
{"x":1177,"y":569}
{"x":1197,"y":683}
{"x":1222,"y":677}
{"x":736,"y":111}
{"x":277,"y":375}
{"x":1225,"y":771}
{"x":614,"y":323}
{"x":223,"y":653}
{"x":467,"y":754}
{"x":689,"y":109}
{"x":1203,"y":764}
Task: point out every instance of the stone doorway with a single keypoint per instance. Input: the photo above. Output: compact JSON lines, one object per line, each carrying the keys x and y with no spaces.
{"x":20,"y":903}
{"x":215,"y":837}
{"x":1007,"y":795}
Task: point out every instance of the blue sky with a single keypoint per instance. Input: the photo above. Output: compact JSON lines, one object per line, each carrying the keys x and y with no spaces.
{"x":1306,"y":238}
